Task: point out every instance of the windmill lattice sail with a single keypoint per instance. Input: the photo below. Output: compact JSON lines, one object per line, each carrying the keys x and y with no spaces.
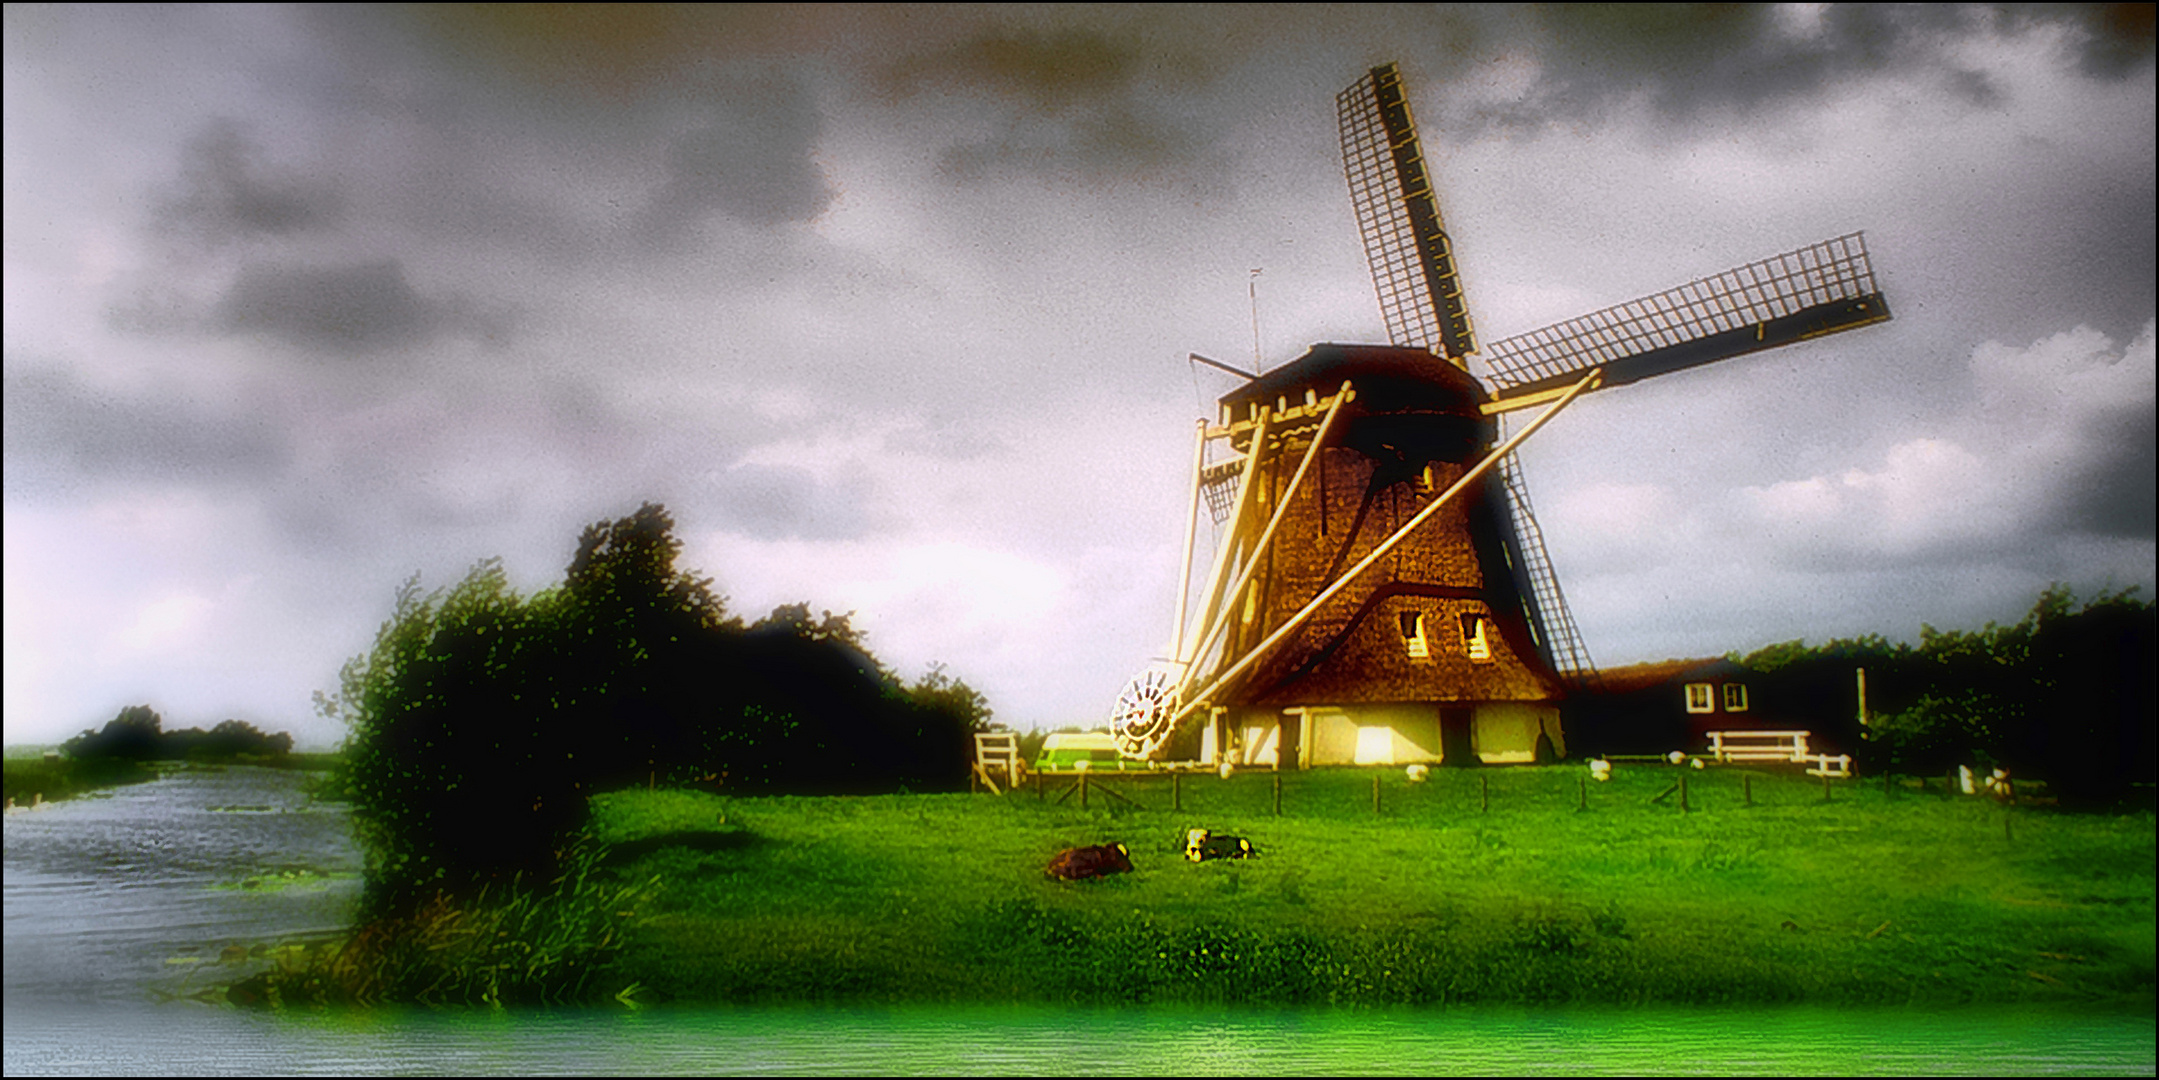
{"x":1819,"y":289}
{"x":1549,"y":617}
{"x":1420,"y":291}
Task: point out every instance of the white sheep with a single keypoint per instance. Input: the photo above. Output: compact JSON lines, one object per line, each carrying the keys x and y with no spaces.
{"x":1228,"y":768}
{"x":1600,"y":769}
{"x":1677,"y":757}
{"x":1418,"y":773}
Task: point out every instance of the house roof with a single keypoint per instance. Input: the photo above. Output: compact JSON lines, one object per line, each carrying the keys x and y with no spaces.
{"x":1633,"y":677}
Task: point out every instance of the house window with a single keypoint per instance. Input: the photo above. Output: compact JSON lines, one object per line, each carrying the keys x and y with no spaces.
{"x":1699,"y":699}
{"x":1413,"y":635}
{"x":1735,"y":697}
{"x":1473,"y":637}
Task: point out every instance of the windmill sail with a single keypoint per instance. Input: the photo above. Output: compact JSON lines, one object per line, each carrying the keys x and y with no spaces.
{"x":1819,"y":289}
{"x":1549,"y":618}
{"x":1420,"y":296}
{"x":1420,"y":292}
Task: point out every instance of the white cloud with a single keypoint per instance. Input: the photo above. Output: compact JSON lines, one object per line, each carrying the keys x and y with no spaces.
{"x":2048,"y":418}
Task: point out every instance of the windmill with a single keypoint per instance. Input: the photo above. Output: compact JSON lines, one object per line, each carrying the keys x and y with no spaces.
{"x":1380,"y":591}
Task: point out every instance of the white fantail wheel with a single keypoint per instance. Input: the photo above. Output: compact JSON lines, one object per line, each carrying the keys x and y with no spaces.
{"x":1141,"y":721}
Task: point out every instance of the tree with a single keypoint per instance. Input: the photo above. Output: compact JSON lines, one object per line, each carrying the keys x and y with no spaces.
{"x":946,"y":696}
{"x":136,"y":734}
{"x":481,"y":721}
{"x":2093,"y":710}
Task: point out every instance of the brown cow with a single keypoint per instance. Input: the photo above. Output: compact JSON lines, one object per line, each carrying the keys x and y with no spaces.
{"x":1073,"y":864}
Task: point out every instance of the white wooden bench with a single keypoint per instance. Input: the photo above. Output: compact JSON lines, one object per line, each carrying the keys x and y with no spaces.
{"x":1837,"y":767}
{"x":1728,"y":746}
{"x":998,"y":752}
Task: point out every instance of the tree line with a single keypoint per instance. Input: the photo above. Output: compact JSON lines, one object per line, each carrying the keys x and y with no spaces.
{"x":482,"y":720}
{"x":138,"y":734}
{"x":2064,"y":695}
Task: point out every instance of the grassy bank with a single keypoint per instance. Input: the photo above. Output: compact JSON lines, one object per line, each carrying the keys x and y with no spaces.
{"x":31,"y":776}
{"x":28,"y":780}
{"x":1489,"y":885}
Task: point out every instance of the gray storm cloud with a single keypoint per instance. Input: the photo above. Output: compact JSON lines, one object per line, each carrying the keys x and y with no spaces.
{"x":1685,"y":60}
{"x":358,"y":308}
{"x":61,"y":433}
{"x":1076,"y":100}
{"x":749,"y":157}
{"x":228,"y":193}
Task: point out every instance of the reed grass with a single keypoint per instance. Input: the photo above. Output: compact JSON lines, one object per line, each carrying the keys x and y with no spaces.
{"x":27,"y":779}
{"x":502,"y":946}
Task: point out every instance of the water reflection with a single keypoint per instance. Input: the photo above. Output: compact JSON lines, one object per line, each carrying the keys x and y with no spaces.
{"x":1048,"y":1041}
{"x":111,"y":902}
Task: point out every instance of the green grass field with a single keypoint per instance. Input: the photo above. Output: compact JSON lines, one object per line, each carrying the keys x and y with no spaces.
{"x":1873,"y":896}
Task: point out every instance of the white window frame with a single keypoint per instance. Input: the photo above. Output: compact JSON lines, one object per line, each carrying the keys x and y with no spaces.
{"x":1735,"y":697}
{"x":1701,"y":697}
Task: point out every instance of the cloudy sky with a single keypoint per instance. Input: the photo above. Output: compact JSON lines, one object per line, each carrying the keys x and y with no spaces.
{"x":890,"y":307}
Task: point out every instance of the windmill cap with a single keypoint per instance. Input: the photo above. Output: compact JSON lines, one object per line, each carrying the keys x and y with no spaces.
{"x":1389,"y":378}
{"x":1410,"y":404}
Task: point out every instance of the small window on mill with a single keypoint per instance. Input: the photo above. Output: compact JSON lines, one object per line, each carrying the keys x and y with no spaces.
{"x":1413,"y":635}
{"x":1735,"y":697}
{"x":1474,"y":641}
{"x":1699,"y":699}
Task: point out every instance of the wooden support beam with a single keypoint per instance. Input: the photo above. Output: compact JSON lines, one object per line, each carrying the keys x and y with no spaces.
{"x":1524,"y":401}
{"x":1191,"y":533}
{"x":1209,"y":595}
{"x":1266,"y":537}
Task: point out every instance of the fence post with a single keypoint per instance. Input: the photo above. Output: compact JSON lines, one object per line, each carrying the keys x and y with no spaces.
{"x":1375,"y":793}
{"x":1584,"y":781}
{"x":1484,"y":793}
{"x":1038,"y":787}
{"x":1746,"y":784}
{"x":1278,"y":794}
{"x":1176,"y":792}
{"x":1825,"y":782}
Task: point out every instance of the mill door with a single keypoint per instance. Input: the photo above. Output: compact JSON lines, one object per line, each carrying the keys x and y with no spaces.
{"x":1457,"y":735}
